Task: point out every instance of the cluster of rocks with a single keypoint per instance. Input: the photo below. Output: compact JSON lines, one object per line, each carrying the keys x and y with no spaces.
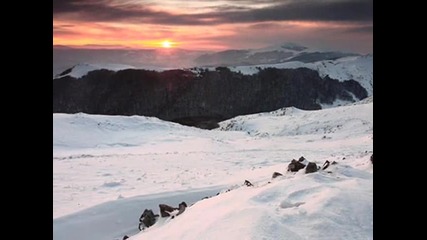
{"x":310,"y":167}
{"x":302,"y":163}
{"x":148,"y":218}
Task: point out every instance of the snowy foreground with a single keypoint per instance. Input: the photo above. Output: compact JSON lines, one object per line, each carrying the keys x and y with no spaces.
{"x":108,"y":169}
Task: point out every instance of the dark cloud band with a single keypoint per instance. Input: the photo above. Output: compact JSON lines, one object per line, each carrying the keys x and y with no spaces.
{"x":302,"y":10}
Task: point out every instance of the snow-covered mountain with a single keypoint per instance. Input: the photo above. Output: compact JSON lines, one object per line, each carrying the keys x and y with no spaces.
{"x":358,"y":68}
{"x":270,"y":55}
{"x":66,"y":57}
{"x":108,"y":169}
{"x":82,"y":69}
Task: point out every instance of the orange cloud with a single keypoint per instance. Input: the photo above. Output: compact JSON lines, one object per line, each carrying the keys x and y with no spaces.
{"x":213,"y":24}
{"x":136,"y":36}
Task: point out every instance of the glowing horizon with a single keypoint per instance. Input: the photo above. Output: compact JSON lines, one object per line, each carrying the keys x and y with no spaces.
{"x":214,"y":24}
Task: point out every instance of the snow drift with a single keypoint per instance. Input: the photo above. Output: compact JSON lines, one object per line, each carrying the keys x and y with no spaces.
{"x":108,"y":169}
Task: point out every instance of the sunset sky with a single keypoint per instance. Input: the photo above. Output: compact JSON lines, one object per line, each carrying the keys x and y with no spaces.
{"x":213,"y":24}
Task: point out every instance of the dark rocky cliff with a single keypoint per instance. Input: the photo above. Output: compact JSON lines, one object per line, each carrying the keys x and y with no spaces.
{"x":197,"y":99}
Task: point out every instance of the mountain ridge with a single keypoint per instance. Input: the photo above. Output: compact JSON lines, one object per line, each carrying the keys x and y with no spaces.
{"x":187,"y":97}
{"x":64,"y":57}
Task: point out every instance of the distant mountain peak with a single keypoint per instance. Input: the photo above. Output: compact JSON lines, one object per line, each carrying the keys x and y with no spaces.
{"x":293,"y":46}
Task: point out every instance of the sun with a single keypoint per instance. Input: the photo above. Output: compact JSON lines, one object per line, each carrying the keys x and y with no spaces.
{"x":166,"y":44}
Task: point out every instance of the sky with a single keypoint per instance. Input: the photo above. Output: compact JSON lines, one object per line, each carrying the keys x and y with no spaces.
{"x":344,"y":25}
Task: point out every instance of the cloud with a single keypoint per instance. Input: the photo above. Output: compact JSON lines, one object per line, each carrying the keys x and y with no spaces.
{"x":266,"y":25}
{"x":104,"y":11}
{"x":228,"y":8}
{"x":249,"y":1}
{"x":351,"y":10}
{"x":63,"y":6}
{"x":63,"y":29}
{"x":343,"y":37}
{"x":290,"y":10}
{"x":362,"y":29}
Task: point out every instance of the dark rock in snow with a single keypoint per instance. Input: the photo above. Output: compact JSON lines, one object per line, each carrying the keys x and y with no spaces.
{"x":325,"y":165}
{"x":295,"y":166}
{"x":276,"y":174}
{"x":372,"y":158}
{"x":247,"y":183}
{"x":147,"y":219}
{"x":311,"y":167}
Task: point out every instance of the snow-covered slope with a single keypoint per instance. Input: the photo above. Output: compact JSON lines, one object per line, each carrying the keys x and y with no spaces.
{"x":108,"y":169}
{"x":323,"y":205}
{"x":287,"y":121}
{"x":358,"y":68}
{"x":287,"y":46}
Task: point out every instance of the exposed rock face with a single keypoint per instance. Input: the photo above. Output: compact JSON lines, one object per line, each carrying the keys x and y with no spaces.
{"x":248,"y":184}
{"x":326,"y":165}
{"x":295,"y":166}
{"x":147,"y":219}
{"x":311,"y":167}
{"x":197,"y":99}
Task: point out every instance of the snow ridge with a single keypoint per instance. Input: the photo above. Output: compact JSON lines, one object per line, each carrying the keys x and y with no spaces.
{"x":358,"y":68}
{"x":287,"y":121}
{"x":82,"y":69}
